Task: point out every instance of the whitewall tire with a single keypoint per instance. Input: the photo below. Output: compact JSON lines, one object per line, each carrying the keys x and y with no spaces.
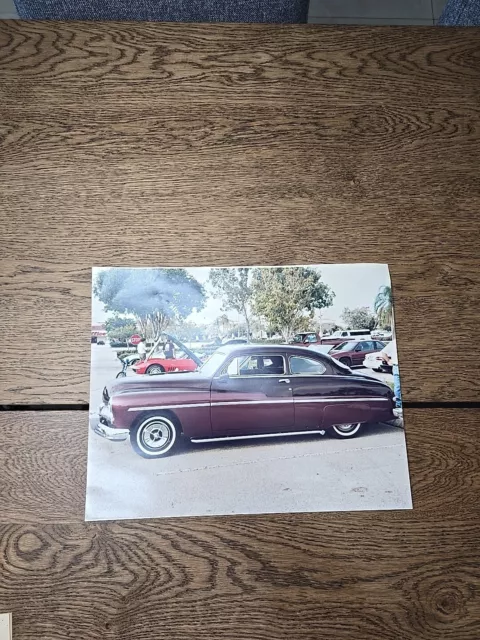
{"x":154,"y":436}
{"x":346,"y":430}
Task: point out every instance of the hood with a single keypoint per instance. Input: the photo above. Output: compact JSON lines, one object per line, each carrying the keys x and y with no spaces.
{"x":180,"y":380}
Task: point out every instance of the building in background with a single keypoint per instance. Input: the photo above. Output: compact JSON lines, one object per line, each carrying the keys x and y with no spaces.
{"x":99,"y":334}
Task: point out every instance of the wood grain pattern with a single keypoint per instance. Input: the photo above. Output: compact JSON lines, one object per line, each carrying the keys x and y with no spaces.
{"x":43,"y":461}
{"x":231,"y":144}
{"x":409,"y":574}
{"x":149,"y":144}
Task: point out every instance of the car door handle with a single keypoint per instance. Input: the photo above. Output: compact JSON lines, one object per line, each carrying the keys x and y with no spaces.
{"x":284,"y":380}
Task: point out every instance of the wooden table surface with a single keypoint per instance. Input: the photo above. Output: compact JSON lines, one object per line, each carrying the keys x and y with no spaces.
{"x":150,"y":144}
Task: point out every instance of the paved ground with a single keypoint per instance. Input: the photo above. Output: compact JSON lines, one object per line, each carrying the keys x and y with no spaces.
{"x":305,"y":473}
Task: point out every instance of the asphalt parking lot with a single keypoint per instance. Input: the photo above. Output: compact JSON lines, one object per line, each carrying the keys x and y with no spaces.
{"x":304,"y":473}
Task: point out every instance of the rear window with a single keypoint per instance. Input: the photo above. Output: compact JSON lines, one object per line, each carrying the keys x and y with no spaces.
{"x":299,"y":337}
{"x":307,"y":366}
{"x":344,"y":346}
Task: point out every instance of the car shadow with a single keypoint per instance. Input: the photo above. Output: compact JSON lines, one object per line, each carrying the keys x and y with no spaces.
{"x":185,"y":446}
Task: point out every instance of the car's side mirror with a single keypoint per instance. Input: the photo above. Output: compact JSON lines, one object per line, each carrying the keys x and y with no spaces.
{"x":358,"y":348}
{"x":223,"y":378}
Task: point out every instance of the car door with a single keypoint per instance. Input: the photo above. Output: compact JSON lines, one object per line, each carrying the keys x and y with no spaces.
{"x":312,"y":383}
{"x":362,"y":349}
{"x":252,"y":395}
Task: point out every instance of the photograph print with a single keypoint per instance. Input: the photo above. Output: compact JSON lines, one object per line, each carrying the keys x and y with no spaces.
{"x":244,"y":390}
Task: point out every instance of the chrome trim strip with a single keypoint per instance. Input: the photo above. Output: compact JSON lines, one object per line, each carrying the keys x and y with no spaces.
{"x":246,"y":402}
{"x":270,"y":401}
{"x":346,"y":399}
{"x":260,"y":435}
{"x":171,"y":406}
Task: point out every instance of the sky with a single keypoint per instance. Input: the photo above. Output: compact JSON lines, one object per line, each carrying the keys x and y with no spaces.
{"x":355,"y":285}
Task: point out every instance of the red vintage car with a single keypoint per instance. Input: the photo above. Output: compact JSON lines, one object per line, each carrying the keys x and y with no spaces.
{"x":157,"y":363}
{"x":250,"y":391}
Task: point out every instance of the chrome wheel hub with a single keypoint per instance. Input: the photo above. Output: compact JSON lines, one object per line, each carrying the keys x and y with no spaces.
{"x":156,"y":435}
{"x":345,"y":428}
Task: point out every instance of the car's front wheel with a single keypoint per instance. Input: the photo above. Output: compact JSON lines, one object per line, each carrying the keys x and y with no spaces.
{"x":349,"y":430}
{"x":154,"y":436}
{"x":155,"y":369}
{"x":346,"y":361}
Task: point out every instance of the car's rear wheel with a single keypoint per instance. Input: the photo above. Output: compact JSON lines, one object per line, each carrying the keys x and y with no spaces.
{"x":155,"y":369}
{"x":346,"y":361}
{"x":154,"y":436}
{"x":349,"y":430}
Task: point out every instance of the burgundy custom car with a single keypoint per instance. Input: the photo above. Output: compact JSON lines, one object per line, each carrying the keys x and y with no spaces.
{"x":247,"y":391}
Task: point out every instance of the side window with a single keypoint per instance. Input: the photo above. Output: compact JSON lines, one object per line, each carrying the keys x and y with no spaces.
{"x":312,"y":337}
{"x":256,"y":366}
{"x":344,"y":334}
{"x":233,"y":368}
{"x":308,"y":366}
{"x":379,"y":345}
{"x":365,"y":345}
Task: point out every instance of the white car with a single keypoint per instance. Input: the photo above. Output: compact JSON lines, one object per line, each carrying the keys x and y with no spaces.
{"x":379,"y":334}
{"x":373,"y":361}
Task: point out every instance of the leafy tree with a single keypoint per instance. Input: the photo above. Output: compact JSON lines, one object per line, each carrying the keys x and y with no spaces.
{"x":119,"y":328}
{"x":188,"y":331}
{"x":156,"y":297}
{"x":232,"y":287}
{"x":359,"y":318}
{"x":288,"y":296}
{"x":383,"y":306}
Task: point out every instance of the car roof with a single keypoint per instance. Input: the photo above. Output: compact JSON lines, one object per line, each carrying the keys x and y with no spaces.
{"x":265,"y":349}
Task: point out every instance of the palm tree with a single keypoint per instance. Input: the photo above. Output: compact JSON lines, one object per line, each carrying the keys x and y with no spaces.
{"x":223,"y":324}
{"x":383,"y":306}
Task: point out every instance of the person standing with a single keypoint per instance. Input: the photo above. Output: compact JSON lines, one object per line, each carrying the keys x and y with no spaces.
{"x":390,"y":355}
{"x":169,"y":349}
{"x":142,"y":349}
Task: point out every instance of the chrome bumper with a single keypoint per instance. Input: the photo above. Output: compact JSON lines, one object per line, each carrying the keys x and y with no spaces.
{"x":109,"y":433}
{"x":104,"y":426}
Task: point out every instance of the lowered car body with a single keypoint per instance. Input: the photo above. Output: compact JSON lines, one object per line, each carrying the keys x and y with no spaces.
{"x":243,"y":391}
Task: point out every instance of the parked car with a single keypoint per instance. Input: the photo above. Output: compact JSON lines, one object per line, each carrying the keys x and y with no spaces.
{"x":375,"y":362}
{"x":380,"y":334}
{"x":157,"y":363}
{"x":352,"y":352}
{"x":249,"y":391}
{"x":346,"y":334}
{"x":306,"y":339}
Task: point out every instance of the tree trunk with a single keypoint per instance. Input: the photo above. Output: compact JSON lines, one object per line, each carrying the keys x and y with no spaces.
{"x":245,"y":315}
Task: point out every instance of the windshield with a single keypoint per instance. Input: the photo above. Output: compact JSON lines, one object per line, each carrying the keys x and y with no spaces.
{"x":322,"y":348}
{"x":214,"y":362}
{"x":299,"y":337}
{"x":344,"y":346}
